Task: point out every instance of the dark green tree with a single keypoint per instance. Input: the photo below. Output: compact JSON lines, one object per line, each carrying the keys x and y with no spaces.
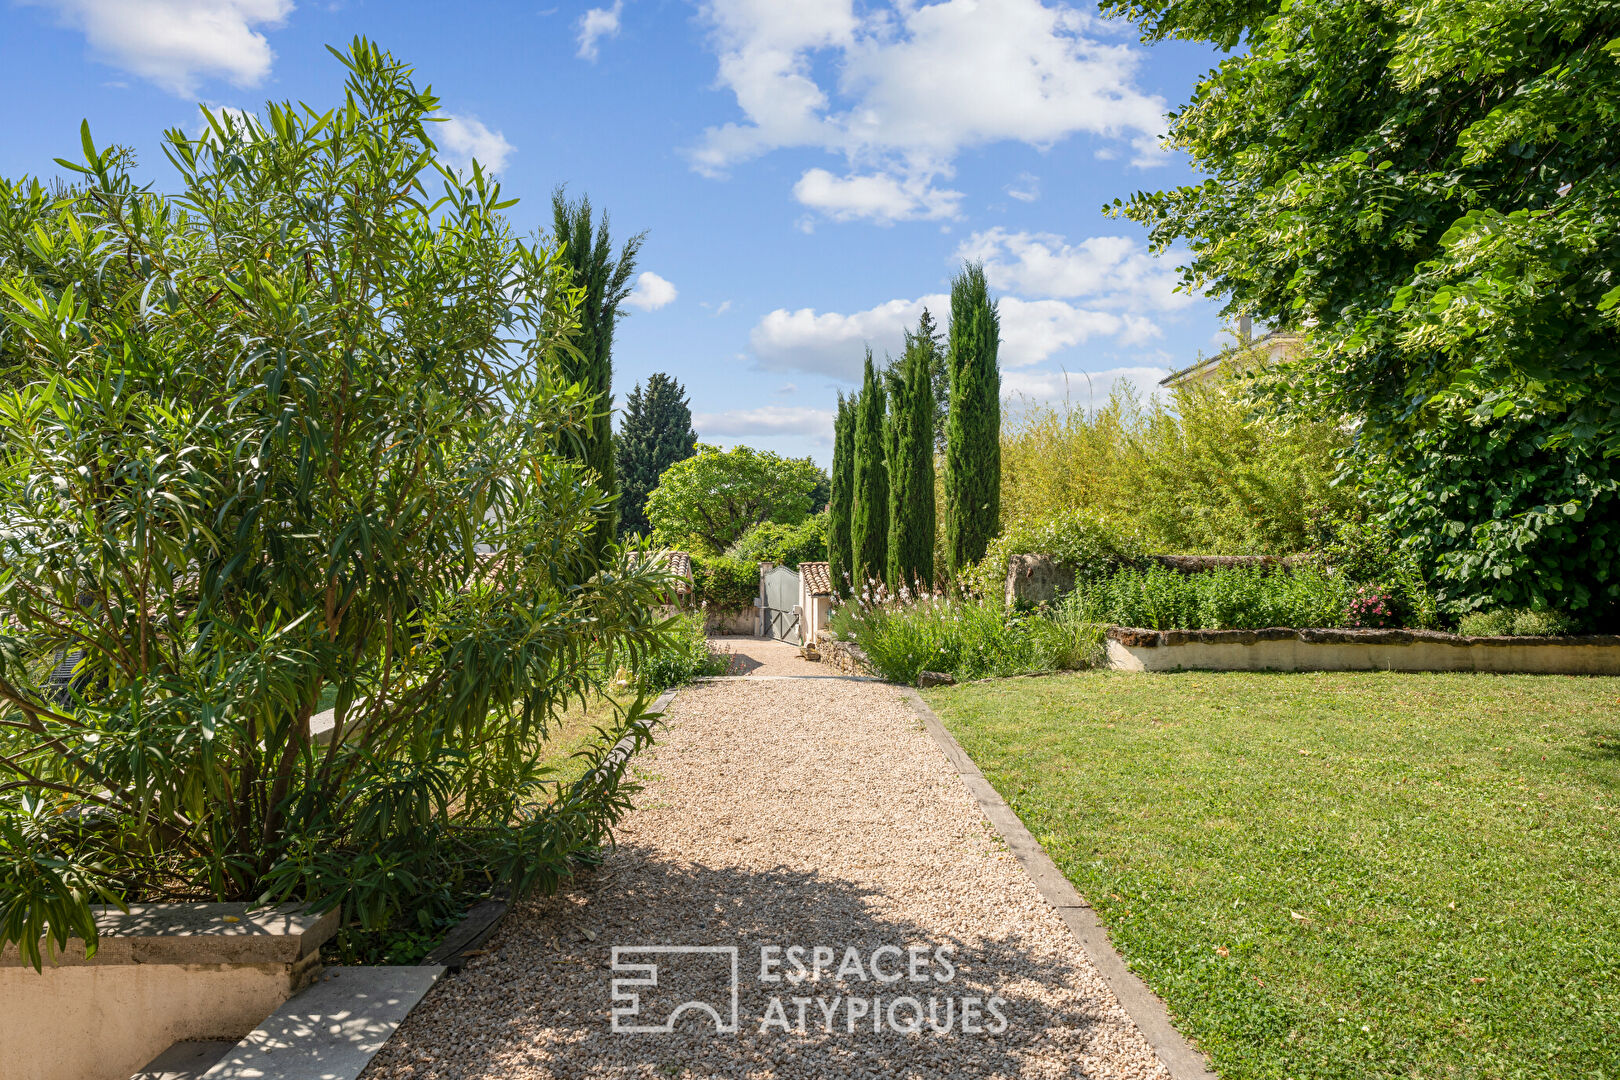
{"x":869,"y":531}
{"x":605,"y":281}
{"x":911,"y":461}
{"x":973,"y":427}
{"x":1428,"y":189}
{"x":939,"y":374}
{"x":841,"y":505}
{"x":655,"y":434}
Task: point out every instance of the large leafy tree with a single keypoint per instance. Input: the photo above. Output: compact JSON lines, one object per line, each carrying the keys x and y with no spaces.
{"x":706,"y":502}
{"x":973,"y":424}
{"x":270,"y":419}
{"x":1430,"y":190}
{"x":655,"y":434}
{"x":869,"y":525}
{"x":603,"y":281}
{"x":911,"y":460}
{"x":841,"y":506}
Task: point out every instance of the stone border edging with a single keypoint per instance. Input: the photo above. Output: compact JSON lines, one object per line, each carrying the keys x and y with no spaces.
{"x":1144,"y":1007}
{"x":1143,"y":638}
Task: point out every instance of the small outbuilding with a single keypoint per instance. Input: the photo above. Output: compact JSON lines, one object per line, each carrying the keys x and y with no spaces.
{"x":815,"y":600}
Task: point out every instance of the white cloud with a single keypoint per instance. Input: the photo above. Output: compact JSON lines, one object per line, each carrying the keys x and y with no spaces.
{"x":1083,"y":388}
{"x":175,"y":43}
{"x":596,"y":24}
{"x":834,"y":344}
{"x":766,"y":420}
{"x":877,"y":196}
{"x":900,"y":89}
{"x":651,"y":292}
{"x":1112,"y":271}
{"x":1027,"y":188}
{"x":463,"y":138}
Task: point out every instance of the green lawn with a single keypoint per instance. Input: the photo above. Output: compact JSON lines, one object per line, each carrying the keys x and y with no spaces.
{"x":1337,"y":875}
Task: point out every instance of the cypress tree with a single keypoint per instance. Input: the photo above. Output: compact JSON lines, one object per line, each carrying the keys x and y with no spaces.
{"x":911,"y":461}
{"x":973,"y":426}
{"x":870,"y":529}
{"x":588,"y":253}
{"x":840,"y":507}
{"x":655,"y":434}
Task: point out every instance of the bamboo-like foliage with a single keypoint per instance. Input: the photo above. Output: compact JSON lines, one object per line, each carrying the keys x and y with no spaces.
{"x":603,"y":283}
{"x":869,"y":531}
{"x":270,"y":419}
{"x":841,"y":506}
{"x":911,"y":461}
{"x":973,"y":427}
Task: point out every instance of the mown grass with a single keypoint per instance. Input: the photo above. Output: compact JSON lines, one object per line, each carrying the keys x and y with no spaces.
{"x":1337,"y":875}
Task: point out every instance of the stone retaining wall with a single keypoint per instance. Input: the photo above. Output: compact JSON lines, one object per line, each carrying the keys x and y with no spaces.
{"x":1283,"y":649}
{"x":846,"y":657}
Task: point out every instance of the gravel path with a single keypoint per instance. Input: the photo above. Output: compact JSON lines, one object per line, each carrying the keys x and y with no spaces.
{"x":762,"y":656}
{"x":786,"y":812}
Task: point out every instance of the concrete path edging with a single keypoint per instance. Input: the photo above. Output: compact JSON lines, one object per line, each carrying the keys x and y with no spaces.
{"x":1142,"y":1005}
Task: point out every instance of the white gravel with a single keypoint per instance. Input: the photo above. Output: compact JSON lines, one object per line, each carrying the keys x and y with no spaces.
{"x":784,"y":812}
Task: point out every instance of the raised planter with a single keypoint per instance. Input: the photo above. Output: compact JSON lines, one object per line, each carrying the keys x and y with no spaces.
{"x":1283,"y":649}
{"x":162,"y":973}
{"x":844,"y":656}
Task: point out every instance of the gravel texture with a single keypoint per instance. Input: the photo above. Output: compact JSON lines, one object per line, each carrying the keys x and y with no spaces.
{"x":785,"y":812}
{"x":763,"y":656}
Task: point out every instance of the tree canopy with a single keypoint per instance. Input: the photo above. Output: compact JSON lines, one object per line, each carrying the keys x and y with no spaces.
{"x":709,"y":500}
{"x":656,"y":433}
{"x":1429,"y":191}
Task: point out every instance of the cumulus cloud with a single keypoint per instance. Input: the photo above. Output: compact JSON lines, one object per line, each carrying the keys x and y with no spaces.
{"x":877,"y":197}
{"x":900,"y":89}
{"x":461,"y":139}
{"x":651,"y":292}
{"x":1110,"y":271}
{"x":596,"y":24}
{"x":834,"y":344}
{"x":766,"y":420}
{"x":176,"y":43}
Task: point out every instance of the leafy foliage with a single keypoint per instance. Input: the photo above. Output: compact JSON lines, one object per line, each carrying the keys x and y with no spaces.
{"x":1089,"y":546}
{"x":706,"y":502}
{"x":725,"y":582}
{"x":656,"y":433}
{"x":603,"y":282}
{"x":1514,"y":622}
{"x":687,"y":656}
{"x":973,"y":425}
{"x":1429,"y":189}
{"x":786,"y":545}
{"x":841,"y":507}
{"x":869,"y":526}
{"x":266,"y":421}
{"x":911,"y":461}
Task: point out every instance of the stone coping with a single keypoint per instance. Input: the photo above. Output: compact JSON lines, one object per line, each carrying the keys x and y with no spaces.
{"x":1146,"y":639}
{"x":196,"y":933}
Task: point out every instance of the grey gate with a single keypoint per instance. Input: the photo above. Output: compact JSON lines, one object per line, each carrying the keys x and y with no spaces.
{"x":781,"y":608}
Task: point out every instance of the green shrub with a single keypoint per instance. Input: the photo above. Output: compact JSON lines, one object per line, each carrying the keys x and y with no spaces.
{"x":970,"y":639}
{"x":686,"y":656}
{"x":1230,"y":598}
{"x":724,"y":582}
{"x":1515,"y":622}
{"x":788,"y":545}
{"x":1089,"y":545}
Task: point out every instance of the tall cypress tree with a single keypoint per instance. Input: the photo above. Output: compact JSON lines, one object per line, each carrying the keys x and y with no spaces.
{"x":911,"y":460}
{"x":870,"y":530}
{"x":655,"y":434}
{"x":841,"y":504}
{"x":588,"y":253}
{"x":973,"y":427}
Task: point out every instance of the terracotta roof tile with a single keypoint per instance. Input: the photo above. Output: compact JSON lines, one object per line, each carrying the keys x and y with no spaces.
{"x":817,"y":578}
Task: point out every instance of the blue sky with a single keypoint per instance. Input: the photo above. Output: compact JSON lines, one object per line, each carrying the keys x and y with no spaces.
{"x":809,"y":172}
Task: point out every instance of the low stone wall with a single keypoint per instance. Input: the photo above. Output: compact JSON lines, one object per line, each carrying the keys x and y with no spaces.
{"x":845,"y":657}
{"x":161,"y":973}
{"x":1282,"y":649}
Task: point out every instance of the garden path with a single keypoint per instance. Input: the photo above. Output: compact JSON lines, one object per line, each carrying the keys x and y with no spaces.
{"x":784,"y":812}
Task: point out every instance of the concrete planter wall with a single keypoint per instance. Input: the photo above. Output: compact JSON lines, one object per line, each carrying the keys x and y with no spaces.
{"x":745,"y":621}
{"x":1357,"y":650}
{"x":162,"y":973}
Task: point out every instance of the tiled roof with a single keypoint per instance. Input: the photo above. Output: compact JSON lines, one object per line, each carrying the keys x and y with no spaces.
{"x":817,"y":577}
{"x":678,"y":563}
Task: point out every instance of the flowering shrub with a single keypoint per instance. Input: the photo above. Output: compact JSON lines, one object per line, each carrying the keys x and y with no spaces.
{"x":1372,"y":607}
{"x":904,"y":635}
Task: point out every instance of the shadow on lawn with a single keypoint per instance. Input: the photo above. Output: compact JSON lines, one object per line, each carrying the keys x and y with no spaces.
{"x":541,"y":998}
